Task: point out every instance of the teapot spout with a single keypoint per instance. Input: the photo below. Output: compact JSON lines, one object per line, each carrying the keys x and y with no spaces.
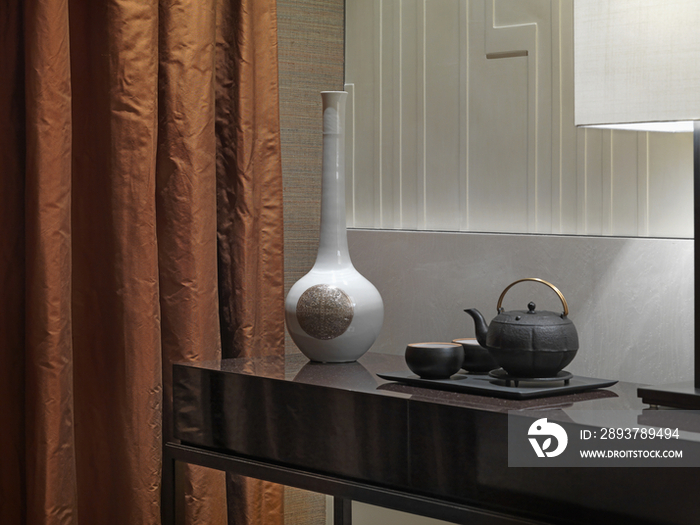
{"x":479,"y":324}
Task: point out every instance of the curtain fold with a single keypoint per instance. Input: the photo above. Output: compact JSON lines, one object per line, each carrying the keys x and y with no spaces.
{"x":50,"y":463}
{"x":116,"y":318}
{"x":249,"y":178}
{"x":187,"y":215}
{"x":249,"y":230}
{"x":114,"y":158}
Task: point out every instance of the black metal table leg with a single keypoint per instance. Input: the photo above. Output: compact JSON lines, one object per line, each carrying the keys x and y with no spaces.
{"x":167,"y":499}
{"x":342,"y":511}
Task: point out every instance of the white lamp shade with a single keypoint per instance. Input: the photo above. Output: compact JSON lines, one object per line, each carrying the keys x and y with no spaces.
{"x":636,"y":61}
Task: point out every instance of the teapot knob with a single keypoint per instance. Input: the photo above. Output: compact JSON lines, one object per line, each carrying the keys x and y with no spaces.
{"x":531,"y":307}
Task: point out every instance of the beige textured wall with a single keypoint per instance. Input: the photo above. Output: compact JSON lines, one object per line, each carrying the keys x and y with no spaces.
{"x":311,"y":54}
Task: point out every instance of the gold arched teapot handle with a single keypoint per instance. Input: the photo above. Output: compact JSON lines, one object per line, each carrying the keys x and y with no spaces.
{"x":556,"y":290}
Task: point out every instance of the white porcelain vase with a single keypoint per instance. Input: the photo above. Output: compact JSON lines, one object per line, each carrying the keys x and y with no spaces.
{"x":333,"y":313}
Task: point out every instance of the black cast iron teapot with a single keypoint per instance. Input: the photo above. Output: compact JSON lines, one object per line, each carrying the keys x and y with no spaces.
{"x":528,"y":343}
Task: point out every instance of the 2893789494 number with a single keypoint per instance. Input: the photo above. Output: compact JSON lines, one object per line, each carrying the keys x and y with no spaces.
{"x":639,"y":433}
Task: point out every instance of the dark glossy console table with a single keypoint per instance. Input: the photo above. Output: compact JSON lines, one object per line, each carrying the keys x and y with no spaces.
{"x":343,"y":431}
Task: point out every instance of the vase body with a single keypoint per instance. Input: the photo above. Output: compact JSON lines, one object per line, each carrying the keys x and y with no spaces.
{"x":333,"y":313}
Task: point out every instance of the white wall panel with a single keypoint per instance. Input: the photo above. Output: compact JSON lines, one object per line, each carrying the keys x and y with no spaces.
{"x":462,"y":119}
{"x":670,"y":190}
{"x":564,"y":134}
{"x":499,"y":182}
{"x":623,"y":194}
{"x":363,"y":143}
{"x":443,"y":139}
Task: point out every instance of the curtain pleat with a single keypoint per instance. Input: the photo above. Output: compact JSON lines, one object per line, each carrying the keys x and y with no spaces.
{"x":187,"y":215}
{"x":50,"y":445}
{"x":249,"y":175}
{"x":249,"y":192}
{"x":116,"y":311}
{"x":111,"y":151}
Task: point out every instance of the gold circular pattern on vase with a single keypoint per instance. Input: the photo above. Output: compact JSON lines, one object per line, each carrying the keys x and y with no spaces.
{"x":324,"y":312}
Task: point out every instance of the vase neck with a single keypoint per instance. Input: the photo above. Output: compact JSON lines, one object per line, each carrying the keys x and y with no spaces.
{"x":333,"y":244}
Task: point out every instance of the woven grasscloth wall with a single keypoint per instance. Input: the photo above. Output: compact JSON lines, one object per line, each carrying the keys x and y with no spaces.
{"x":311,"y":60}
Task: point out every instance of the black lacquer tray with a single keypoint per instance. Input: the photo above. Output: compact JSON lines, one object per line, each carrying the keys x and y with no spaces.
{"x":485,"y":385}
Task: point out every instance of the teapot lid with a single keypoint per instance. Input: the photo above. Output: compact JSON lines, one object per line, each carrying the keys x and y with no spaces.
{"x":532,"y":316}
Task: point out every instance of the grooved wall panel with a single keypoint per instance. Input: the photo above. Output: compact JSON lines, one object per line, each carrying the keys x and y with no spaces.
{"x":462,"y":120}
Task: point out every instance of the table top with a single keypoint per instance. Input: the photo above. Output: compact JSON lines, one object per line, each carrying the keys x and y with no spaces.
{"x":361,"y":376}
{"x":344,"y":420}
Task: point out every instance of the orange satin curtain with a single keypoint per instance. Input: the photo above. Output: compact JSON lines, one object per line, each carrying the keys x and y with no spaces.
{"x":140,"y":224}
